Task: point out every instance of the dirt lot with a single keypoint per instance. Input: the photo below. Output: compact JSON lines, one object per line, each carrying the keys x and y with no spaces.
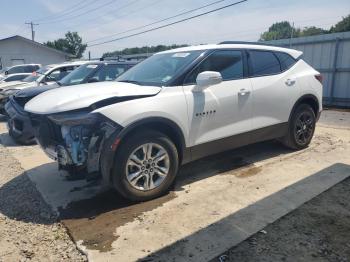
{"x":217,"y":203}
{"x":28,"y":228}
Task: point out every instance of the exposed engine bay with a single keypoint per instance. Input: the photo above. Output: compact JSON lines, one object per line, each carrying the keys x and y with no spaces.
{"x":75,"y":140}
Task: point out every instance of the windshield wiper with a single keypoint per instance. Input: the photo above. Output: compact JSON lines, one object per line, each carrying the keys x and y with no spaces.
{"x":130,"y":81}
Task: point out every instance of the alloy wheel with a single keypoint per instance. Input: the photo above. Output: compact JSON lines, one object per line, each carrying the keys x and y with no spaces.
{"x":147,"y":166}
{"x":304,"y":128}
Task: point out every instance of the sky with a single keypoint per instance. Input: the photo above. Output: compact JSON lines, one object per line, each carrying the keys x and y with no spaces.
{"x":95,"y":19}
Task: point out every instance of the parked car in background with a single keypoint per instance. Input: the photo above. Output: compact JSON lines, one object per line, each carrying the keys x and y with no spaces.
{"x":44,"y":76}
{"x":15,"y":77}
{"x":25,"y":68}
{"x":175,"y":107}
{"x":19,"y":125}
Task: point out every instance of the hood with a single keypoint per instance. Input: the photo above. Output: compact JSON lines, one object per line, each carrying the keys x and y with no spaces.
{"x":81,"y":96}
{"x":35,"y":90}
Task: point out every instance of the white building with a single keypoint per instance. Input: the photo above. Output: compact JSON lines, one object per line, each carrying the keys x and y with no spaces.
{"x":16,"y":50}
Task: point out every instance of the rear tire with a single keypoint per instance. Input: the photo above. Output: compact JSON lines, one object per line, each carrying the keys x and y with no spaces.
{"x":301,"y":128}
{"x":145,"y":165}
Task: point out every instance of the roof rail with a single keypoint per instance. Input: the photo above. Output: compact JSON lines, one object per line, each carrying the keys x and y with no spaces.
{"x":242,"y":43}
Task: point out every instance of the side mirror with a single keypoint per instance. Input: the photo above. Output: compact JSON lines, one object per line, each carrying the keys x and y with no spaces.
{"x":206,"y":79}
{"x":6,"y":73}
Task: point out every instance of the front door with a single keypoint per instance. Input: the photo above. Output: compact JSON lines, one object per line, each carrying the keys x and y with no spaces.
{"x":221,"y":111}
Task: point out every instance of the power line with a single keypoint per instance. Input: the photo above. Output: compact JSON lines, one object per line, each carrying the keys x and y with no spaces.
{"x":159,"y":21}
{"x":170,"y":24}
{"x":81,"y":14}
{"x":109,"y":12}
{"x":65,"y":12}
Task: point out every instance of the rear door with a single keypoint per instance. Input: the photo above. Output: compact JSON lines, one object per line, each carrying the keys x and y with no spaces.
{"x":275,"y":87}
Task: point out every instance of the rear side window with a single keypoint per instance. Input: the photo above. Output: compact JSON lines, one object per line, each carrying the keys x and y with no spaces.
{"x":262,"y":63}
{"x":286,"y":60}
{"x":16,"y":69}
{"x":228,"y":62}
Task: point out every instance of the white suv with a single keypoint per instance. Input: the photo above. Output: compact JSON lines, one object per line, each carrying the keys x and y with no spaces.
{"x":175,"y":107}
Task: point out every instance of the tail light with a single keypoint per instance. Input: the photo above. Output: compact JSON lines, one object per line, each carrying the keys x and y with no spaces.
{"x":319,"y":77}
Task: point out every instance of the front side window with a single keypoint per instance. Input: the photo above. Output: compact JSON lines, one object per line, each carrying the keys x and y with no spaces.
{"x":59,"y":73}
{"x":262,"y":63}
{"x":227,"y":62}
{"x":109,"y":72}
{"x":15,"y":78}
{"x":78,"y":75}
{"x":159,"y":69}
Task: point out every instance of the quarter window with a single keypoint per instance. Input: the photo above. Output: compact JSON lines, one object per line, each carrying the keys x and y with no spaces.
{"x":263,"y":63}
{"x":228,"y":62}
{"x":286,"y":60}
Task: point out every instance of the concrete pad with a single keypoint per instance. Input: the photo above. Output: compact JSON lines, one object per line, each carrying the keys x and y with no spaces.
{"x":217,"y":201}
{"x":51,"y":183}
{"x":205,"y":244}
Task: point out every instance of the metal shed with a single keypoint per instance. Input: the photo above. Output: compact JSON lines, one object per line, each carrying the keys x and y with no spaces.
{"x":329,"y":54}
{"x":16,"y":50}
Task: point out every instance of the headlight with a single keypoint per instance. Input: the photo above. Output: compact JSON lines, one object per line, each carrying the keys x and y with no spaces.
{"x":75,"y":118}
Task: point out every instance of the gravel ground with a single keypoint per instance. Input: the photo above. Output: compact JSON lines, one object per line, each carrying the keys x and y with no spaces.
{"x":317,"y":231}
{"x":28,"y":228}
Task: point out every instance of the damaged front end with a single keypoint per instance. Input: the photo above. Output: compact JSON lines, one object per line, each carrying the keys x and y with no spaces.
{"x":75,"y":139}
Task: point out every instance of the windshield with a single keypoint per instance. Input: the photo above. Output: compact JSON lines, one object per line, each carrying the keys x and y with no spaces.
{"x":159,"y":69}
{"x":35,"y":75}
{"x":78,"y":75}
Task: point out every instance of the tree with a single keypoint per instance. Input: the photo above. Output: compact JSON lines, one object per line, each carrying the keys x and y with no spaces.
{"x":342,"y":26}
{"x":141,"y":50}
{"x":312,"y":30}
{"x":72,"y":44}
{"x":280,"y":30}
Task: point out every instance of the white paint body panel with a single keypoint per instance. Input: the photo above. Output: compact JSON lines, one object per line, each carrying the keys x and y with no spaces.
{"x":81,"y":96}
{"x":232,"y":115}
{"x":240,"y":105}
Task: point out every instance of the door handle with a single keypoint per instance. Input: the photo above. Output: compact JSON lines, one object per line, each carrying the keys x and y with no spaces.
{"x":244,"y":92}
{"x":290,"y":82}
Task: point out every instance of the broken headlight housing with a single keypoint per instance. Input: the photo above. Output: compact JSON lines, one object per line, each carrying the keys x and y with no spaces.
{"x":83,"y":134}
{"x":75,"y":118}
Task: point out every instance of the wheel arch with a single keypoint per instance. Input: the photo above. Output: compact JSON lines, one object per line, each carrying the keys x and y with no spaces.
{"x":310,"y":100}
{"x":161,"y":124}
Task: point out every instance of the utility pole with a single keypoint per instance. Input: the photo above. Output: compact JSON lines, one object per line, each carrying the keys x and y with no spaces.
{"x":32,"y":28}
{"x":291,"y":36}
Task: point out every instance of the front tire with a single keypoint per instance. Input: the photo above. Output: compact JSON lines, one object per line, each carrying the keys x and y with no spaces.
{"x":19,"y":139}
{"x":301,"y":128}
{"x":145,"y":166}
